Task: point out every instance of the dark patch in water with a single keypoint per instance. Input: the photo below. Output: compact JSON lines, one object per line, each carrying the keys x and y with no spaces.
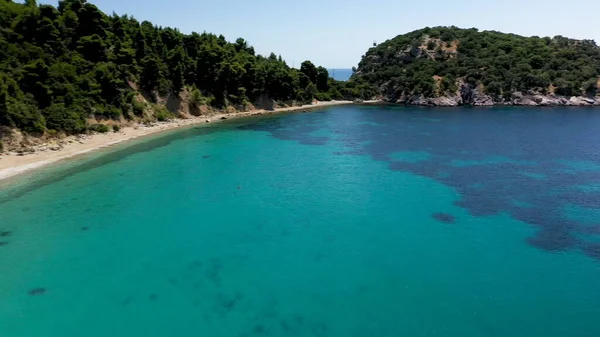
{"x":482,"y":163}
{"x":153,"y":297}
{"x":26,"y":209}
{"x":206,"y":156}
{"x":194,"y":264}
{"x":5,"y":234}
{"x":319,"y":257}
{"x":444,"y":217}
{"x":592,"y":250}
{"x":213,"y":273}
{"x":285,"y":326}
{"x":3,"y":243}
{"x":229,"y":303}
{"x":127,"y":301}
{"x":85,"y":229}
{"x":37,"y":291}
{"x":259,"y":330}
{"x":320,"y":329}
{"x":173,"y":282}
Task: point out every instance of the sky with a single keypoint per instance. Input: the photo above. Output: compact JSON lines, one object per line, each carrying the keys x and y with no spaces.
{"x":336,"y":33}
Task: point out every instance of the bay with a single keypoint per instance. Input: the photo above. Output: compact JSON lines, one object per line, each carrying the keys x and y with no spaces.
{"x":351,"y":221}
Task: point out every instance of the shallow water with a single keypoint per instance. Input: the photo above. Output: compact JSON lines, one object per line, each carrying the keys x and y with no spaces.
{"x":354,"y":221}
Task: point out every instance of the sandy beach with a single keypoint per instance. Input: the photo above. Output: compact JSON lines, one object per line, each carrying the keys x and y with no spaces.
{"x":12,"y":164}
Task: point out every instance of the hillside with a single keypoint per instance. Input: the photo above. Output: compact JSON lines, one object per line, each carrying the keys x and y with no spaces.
{"x":452,"y":66}
{"x":73,"y":69}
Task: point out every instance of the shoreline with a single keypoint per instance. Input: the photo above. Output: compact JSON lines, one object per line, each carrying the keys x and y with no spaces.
{"x":13,"y":164}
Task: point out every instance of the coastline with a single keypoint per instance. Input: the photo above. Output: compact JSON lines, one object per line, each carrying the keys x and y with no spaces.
{"x":13,"y":164}
{"x":474,"y":97}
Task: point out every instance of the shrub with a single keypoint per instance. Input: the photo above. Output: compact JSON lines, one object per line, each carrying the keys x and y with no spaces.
{"x":196,"y":98}
{"x":1,"y":146}
{"x":322,"y":96}
{"x":101,"y":128}
{"x":161,"y":113}
{"x":116,"y":128}
{"x":59,"y":117}
{"x":138,"y":108}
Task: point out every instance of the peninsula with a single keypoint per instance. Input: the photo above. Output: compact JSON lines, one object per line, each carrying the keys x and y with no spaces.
{"x":449,"y":66}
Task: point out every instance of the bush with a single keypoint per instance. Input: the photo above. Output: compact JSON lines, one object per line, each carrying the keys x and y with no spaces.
{"x":100,"y":128}
{"x":1,"y":146}
{"x":161,"y":113}
{"x":59,"y":117}
{"x":494,"y":88}
{"x":116,"y":128}
{"x":322,"y":96}
{"x":196,"y":98}
{"x":336,"y":94}
{"x":138,"y":108}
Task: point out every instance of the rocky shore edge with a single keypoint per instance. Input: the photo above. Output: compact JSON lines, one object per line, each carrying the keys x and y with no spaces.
{"x":475,"y":97}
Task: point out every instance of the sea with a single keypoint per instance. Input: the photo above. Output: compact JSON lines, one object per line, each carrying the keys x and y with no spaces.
{"x":340,"y":74}
{"x":350,"y":221}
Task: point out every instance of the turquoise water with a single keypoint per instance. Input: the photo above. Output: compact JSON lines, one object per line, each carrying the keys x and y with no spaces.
{"x":346,"y":222}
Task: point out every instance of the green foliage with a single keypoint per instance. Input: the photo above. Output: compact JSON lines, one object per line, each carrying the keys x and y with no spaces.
{"x":502,"y":63}
{"x":322,"y":96}
{"x":309,"y":69}
{"x":494,"y":88}
{"x":59,"y":66}
{"x":196,"y":98}
{"x":161,"y":113}
{"x":138,"y":108}
{"x":100,"y":128}
{"x":58,"y":117}
{"x":116,"y":128}
{"x":322,"y":79}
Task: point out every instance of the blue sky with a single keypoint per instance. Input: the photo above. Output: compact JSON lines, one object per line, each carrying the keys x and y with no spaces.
{"x":336,"y":33}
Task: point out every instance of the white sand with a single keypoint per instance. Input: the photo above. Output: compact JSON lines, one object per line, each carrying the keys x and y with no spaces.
{"x":12,"y":164}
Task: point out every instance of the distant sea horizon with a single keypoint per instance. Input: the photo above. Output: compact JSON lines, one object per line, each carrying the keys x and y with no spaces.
{"x":340,"y":74}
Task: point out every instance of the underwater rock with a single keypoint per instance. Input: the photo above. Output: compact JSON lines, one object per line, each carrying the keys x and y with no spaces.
{"x":444,"y":217}
{"x":37,"y":291}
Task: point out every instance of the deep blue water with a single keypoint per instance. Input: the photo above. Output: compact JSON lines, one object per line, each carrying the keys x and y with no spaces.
{"x":352,"y":221}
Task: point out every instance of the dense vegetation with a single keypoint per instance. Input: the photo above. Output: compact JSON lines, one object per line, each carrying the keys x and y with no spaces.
{"x":435,"y":61}
{"x":59,"y":66}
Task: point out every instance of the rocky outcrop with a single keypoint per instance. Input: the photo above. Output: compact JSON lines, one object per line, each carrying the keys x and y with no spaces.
{"x":469,"y":95}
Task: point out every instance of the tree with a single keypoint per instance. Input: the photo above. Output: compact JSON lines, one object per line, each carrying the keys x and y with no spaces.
{"x":309,"y":69}
{"x":322,"y":79}
{"x":92,"y":48}
{"x":60,"y":65}
{"x":500,"y":62}
{"x":150,"y":75}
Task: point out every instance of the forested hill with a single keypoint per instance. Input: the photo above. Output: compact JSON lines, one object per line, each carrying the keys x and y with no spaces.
{"x":469,"y":66}
{"x":61,"y":67}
